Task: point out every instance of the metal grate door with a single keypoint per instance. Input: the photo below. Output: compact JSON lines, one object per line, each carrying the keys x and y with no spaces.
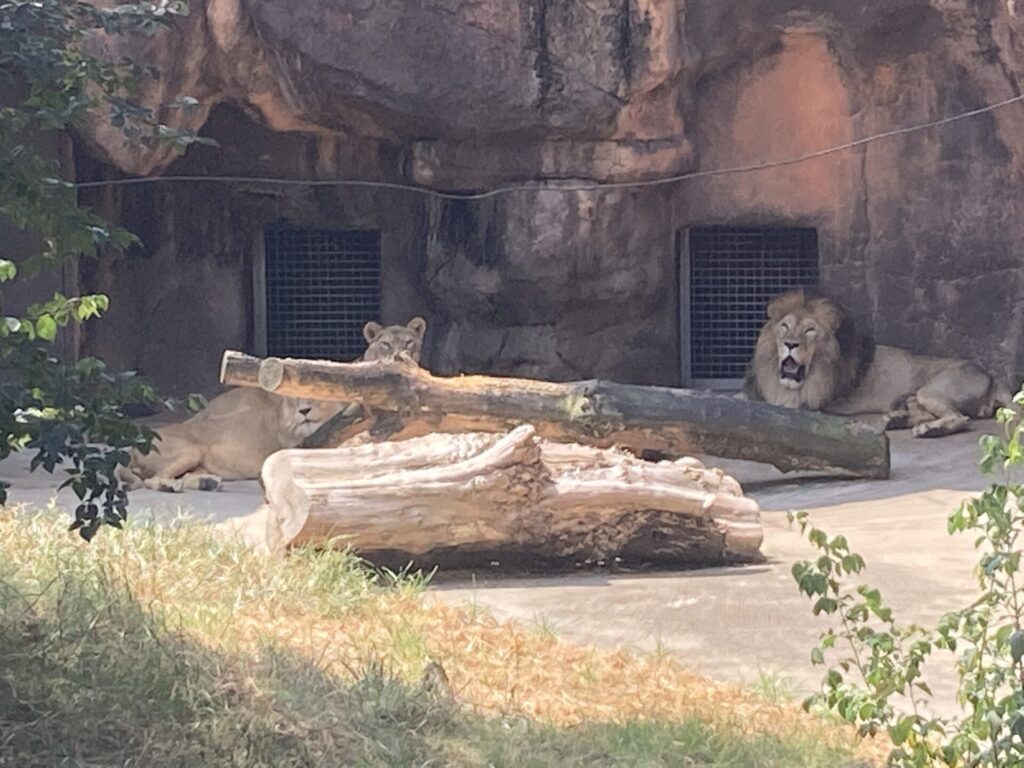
{"x":732,"y":274}
{"x":322,"y":286}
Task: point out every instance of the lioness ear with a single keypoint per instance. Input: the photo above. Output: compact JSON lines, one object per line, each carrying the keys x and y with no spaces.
{"x":418,"y":326}
{"x":371,"y":331}
{"x":782,"y":305}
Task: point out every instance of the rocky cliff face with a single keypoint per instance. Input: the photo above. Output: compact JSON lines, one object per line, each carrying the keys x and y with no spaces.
{"x":922,"y":231}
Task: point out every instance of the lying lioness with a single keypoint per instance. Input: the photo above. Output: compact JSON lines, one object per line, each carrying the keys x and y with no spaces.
{"x":810,"y":355}
{"x":232,"y":437}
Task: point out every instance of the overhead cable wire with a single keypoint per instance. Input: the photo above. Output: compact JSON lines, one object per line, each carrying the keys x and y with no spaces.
{"x":552,"y":185}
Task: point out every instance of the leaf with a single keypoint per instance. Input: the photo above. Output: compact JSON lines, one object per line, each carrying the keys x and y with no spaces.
{"x":196,"y":403}
{"x":1017,"y":727}
{"x":88,"y":530}
{"x":46,"y":327}
{"x":826,"y":605}
{"x":853,"y":563}
{"x":1017,"y":645}
{"x":899,"y":732}
{"x":839,"y":543}
{"x":995,"y":721}
{"x":7,"y":270}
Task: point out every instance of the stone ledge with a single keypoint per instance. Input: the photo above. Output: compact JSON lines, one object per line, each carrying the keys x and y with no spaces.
{"x":475,"y":165}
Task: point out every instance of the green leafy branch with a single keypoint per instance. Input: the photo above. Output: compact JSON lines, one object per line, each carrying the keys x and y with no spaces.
{"x":883,"y":661}
{"x":51,"y":60}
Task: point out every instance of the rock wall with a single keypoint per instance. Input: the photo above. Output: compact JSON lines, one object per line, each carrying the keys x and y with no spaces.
{"x":921,"y":231}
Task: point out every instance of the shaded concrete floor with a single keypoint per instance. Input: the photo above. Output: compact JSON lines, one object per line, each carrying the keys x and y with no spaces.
{"x":38,"y":489}
{"x":733,"y":624}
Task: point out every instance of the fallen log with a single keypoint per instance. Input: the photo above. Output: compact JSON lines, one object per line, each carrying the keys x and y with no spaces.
{"x":474,"y":499}
{"x":597,"y":413}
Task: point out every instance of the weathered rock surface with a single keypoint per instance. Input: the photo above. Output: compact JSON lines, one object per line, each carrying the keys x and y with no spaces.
{"x":922,"y":232}
{"x":548,"y":74}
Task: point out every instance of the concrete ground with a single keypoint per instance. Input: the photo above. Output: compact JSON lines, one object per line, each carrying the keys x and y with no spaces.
{"x":734,"y":624}
{"x":38,"y":489}
{"x":737,"y":624}
{"x":234,"y":500}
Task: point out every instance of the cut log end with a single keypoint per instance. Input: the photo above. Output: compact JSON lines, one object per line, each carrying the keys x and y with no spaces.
{"x":271,"y":374}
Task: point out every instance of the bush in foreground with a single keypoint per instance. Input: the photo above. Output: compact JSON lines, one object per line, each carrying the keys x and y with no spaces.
{"x":884,"y":661}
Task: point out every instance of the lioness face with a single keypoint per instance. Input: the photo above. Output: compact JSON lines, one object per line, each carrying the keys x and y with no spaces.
{"x":387,"y":343}
{"x":796,"y":337}
{"x":300,"y":417}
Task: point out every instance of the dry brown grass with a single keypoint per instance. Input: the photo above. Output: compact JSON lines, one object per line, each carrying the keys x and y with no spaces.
{"x":326,"y":611}
{"x":503,"y":667}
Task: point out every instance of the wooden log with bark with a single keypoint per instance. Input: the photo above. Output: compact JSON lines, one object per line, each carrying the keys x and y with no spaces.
{"x":408,"y":401}
{"x":477,"y":499}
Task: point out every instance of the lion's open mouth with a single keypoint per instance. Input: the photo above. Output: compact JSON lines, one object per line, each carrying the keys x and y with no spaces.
{"x":791,"y":370}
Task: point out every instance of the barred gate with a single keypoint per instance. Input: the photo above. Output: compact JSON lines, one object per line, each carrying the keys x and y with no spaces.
{"x":320,"y":286}
{"x":727,"y":277}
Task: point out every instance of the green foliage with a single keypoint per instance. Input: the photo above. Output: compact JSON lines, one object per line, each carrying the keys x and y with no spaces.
{"x":884,"y":659}
{"x":68,"y":413}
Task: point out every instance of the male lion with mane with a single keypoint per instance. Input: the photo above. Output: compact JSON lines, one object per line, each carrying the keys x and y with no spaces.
{"x":810,"y":355}
{"x":232,"y":437}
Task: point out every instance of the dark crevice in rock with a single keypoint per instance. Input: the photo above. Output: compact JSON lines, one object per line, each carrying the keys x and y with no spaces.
{"x":624,"y":48}
{"x":543,"y":66}
{"x":631,"y":40}
{"x":458,"y":222}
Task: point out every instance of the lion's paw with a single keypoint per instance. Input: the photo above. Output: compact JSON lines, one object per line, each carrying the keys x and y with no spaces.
{"x":205,"y":483}
{"x":165,"y":485}
{"x":897,"y":420}
{"x":928,"y":429}
{"x":949,"y":425}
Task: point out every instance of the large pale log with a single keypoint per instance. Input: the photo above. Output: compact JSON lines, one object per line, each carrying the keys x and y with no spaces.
{"x":598,"y":413}
{"x":472,"y":499}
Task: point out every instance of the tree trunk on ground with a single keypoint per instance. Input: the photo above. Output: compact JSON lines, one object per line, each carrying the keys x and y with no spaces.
{"x":598,"y":413}
{"x":473,"y":499}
